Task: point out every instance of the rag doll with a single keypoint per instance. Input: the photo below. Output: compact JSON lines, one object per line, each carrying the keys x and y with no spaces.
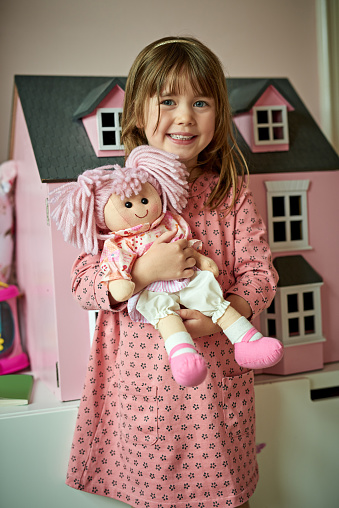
{"x":129,"y":208}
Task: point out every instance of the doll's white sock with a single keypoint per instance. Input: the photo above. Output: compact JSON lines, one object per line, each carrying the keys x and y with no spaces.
{"x":177,"y":339}
{"x":238,"y":330}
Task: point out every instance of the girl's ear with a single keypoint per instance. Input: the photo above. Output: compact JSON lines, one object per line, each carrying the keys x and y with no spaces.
{"x":139,"y":124}
{"x":140,"y":120}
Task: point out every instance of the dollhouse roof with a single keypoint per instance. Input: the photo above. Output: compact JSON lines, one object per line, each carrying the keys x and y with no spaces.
{"x":95,"y":96}
{"x":295,"y":271}
{"x":309,"y":149}
{"x":60,"y":143}
{"x":243,"y":97}
{"x":53,"y":106}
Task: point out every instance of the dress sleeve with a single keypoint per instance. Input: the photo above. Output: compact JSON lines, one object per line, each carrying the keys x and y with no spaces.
{"x":87,"y":288}
{"x":255,"y":276}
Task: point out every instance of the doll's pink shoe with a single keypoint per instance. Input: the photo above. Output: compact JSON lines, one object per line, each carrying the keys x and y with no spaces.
{"x":258,"y":354}
{"x":188,"y":369}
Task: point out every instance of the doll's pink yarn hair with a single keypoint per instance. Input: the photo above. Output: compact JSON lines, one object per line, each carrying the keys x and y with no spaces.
{"x":79,"y":210}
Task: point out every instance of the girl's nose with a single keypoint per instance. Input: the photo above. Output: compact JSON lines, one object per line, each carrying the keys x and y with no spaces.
{"x":184,"y":115}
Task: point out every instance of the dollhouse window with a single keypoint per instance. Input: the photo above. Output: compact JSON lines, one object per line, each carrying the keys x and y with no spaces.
{"x":270,"y":125}
{"x":294,"y":316}
{"x":109,"y":128}
{"x":287,"y":214}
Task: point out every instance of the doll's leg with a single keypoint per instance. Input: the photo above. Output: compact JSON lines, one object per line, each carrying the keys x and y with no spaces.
{"x":188,"y":367}
{"x":251,"y":349}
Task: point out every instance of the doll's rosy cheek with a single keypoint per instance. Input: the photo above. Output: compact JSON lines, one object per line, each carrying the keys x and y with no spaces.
{"x":155,"y":209}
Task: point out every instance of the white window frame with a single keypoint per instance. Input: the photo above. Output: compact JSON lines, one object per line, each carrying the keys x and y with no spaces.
{"x":287,"y":189}
{"x":302,"y":337}
{"x":282,"y":316}
{"x":274,"y":316}
{"x":116,"y":129}
{"x":270,"y":125}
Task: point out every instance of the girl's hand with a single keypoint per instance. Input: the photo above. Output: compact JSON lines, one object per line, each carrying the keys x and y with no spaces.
{"x":197,"y":324}
{"x":164,"y":261}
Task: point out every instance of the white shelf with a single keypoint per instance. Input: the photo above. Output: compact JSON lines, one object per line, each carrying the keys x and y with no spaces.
{"x":328,"y":377}
{"x":42,"y":401}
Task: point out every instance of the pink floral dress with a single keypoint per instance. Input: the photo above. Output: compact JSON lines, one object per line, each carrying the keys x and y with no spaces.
{"x":140,"y":437}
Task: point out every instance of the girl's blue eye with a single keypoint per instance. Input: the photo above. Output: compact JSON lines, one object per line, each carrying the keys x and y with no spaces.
{"x":128,"y":204}
{"x":200,"y":104}
{"x":167,"y":102}
{"x":144,"y":201}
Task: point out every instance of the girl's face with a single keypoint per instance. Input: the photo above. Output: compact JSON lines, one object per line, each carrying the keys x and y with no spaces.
{"x":142,"y":208}
{"x":186,"y":124}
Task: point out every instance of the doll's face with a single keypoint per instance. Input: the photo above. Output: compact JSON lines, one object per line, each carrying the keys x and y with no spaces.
{"x":137,"y":209}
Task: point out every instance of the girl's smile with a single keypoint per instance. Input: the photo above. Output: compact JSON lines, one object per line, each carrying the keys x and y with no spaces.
{"x":180,"y":123}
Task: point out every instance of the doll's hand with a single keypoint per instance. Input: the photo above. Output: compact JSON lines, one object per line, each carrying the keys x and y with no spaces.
{"x":197,"y":324}
{"x":205,"y":263}
{"x":165,"y":260}
{"x":121,"y":290}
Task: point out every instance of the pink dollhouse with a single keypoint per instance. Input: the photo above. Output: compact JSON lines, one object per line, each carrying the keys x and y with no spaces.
{"x":52,"y":128}
{"x":64,"y":125}
{"x":294,"y":177}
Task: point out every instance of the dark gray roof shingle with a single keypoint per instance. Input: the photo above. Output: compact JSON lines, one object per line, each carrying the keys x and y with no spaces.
{"x":95,"y":96}
{"x":294,"y":271}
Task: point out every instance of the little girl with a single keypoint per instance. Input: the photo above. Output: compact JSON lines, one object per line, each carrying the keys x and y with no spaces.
{"x":140,"y":437}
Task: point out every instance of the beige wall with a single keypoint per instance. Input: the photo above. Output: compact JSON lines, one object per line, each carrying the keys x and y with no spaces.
{"x":253,"y":38}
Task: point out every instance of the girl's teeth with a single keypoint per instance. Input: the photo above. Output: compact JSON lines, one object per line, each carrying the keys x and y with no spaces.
{"x":178,"y":136}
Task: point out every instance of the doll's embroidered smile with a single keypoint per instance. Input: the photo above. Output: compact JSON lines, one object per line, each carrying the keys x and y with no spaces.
{"x":142,"y":216}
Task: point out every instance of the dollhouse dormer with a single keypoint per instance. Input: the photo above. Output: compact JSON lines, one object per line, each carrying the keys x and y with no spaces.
{"x":100,"y":113}
{"x":261,"y":115}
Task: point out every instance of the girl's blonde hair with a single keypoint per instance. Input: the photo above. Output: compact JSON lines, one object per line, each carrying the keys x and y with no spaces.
{"x":172,"y":62}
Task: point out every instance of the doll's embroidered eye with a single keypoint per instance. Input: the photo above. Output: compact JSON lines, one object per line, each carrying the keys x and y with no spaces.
{"x":144,"y":201}
{"x":128,"y":204}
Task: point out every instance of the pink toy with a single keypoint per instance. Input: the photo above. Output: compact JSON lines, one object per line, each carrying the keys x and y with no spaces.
{"x":130,"y":208}
{"x":7,"y":178}
{"x":12,"y":357}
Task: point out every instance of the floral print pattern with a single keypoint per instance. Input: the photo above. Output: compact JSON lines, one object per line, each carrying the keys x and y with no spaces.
{"x":140,"y":437}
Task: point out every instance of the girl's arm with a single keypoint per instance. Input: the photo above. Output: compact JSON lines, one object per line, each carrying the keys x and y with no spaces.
{"x":87,"y":287}
{"x":164,"y":261}
{"x":255,"y":278}
{"x":199,"y":325}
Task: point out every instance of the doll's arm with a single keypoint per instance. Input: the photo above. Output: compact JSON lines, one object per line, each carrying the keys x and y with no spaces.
{"x":121,"y":289}
{"x":116,"y":263}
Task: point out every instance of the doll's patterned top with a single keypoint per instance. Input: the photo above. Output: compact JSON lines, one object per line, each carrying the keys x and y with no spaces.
{"x":123,"y":247}
{"x":140,"y":437}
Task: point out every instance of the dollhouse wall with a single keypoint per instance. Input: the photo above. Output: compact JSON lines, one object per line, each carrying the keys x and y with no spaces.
{"x":56,"y":328}
{"x":323,"y":240}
